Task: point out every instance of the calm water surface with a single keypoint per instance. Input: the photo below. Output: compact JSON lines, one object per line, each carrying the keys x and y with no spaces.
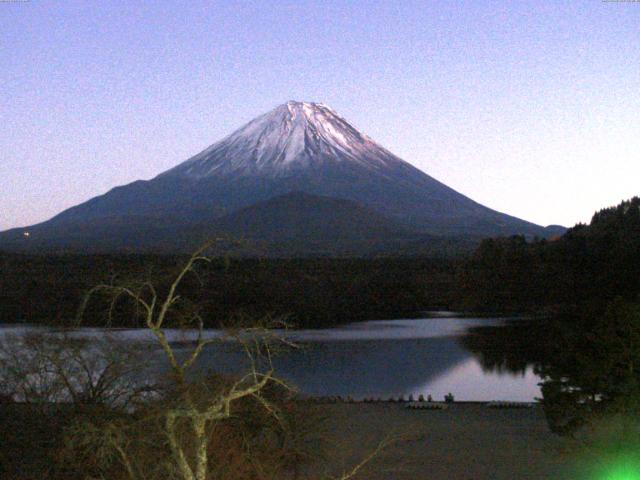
{"x":376,"y":359}
{"x":393,"y":358}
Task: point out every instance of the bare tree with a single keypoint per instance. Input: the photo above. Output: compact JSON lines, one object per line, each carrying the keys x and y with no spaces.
{"x":198,"y":414}
{"x":192,"y":414}
{"x":52,"y":379}
{"x":46,"y":368}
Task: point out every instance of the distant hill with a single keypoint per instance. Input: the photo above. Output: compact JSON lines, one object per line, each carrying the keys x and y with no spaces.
{"x":301,"y":216}
{"x":294,"y":224}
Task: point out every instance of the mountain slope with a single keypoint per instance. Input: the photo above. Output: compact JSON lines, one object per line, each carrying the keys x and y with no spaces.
{"x":294,"y":222}
{"x":301,"y":216}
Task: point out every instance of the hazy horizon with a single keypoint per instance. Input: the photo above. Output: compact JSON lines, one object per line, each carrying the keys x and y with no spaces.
{"x":527,"y":108}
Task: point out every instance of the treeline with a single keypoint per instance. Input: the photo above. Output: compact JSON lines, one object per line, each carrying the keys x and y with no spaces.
{"x":309,"y":292}
{"x":586,"y":349}
{"x":589,"y":265}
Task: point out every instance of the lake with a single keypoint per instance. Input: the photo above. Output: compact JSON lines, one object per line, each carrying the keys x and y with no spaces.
{"x":383,"y":358}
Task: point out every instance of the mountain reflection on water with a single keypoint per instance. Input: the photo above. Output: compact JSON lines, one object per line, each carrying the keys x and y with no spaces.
{"x":587,"y":360}
{"x":388,"y":358}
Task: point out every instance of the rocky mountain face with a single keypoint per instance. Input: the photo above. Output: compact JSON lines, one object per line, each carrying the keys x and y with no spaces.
{"x":297,"y":148}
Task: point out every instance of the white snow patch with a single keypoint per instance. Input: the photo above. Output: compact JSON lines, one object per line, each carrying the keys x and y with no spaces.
{"x":296,"y":133}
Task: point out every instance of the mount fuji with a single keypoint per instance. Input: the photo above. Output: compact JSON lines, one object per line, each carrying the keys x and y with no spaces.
{"x":299,"y":173}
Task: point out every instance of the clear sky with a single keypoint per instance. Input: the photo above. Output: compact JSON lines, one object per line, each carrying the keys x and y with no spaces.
{"x":529,"y":107}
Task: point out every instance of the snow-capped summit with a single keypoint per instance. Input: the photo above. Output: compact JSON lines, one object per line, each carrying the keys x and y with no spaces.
{"x":291,"y":137}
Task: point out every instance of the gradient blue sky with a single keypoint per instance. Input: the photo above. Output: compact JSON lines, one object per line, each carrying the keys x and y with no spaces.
{"x":529,"y":107}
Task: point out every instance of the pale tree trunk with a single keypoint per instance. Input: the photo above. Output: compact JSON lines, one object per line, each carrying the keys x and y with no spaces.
{"x":189,"y":413}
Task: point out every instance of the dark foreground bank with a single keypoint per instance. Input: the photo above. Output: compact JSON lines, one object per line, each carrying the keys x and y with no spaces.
{"x":469,"y":441}
{"x":465,"y":441}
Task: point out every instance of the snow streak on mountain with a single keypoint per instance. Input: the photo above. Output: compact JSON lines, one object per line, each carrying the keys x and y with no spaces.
{"x":293,"y":136}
